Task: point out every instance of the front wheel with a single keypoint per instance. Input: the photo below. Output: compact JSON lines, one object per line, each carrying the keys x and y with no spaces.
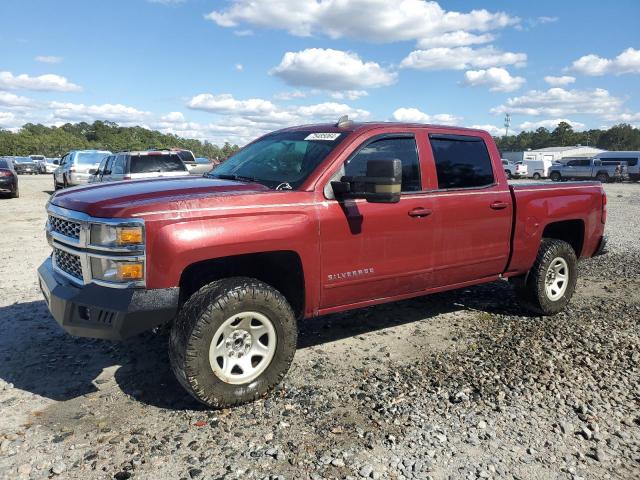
{"x":549,"y":285}
{"x":555,"y":176}
{"x":602,"y":177}
{"x":233,"y":341}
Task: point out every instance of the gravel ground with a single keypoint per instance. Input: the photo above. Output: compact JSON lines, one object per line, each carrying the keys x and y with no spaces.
{"x":456,"y":385}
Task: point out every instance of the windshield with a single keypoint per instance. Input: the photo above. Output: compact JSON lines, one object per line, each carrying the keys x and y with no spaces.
{"x":156,"y":163}
{"x":280,"y":160}
{"x":90,"y":158}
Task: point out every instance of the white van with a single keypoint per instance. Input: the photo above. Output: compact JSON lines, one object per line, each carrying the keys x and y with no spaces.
{"x":630,"y":159}
{"x":538,"y":169}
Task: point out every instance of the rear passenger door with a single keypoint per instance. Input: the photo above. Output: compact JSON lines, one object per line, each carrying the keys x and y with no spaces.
{"x":472,"y":211}
{"x":118,"y":168}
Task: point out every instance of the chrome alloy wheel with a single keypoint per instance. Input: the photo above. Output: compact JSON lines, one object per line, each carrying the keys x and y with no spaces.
{"x":556,"y":279}
{"x":242,"y":347}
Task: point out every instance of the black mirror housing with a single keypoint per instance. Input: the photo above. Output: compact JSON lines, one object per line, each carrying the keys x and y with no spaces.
{"x":93,"y":171}
{"x":382,"y":184}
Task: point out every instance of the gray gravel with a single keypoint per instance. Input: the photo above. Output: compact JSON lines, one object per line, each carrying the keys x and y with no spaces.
{"x":456,"y":385}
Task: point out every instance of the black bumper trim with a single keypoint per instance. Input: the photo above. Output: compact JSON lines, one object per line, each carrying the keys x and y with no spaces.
{"x":95,"y":311}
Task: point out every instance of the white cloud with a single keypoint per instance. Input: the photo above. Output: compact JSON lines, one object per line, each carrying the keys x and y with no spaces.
{"x":557,"y":102}
{"x":239,"y":67}
{"x":293,"y":94}
{"x":492,"y":129}
{"x":377,"y":21}
{"x":459,"y":38}
{"x":48,"y":59}
{"x":225,"y":103}
{"x":256,"y":116}
{"x":414,"y":115}
{"x":461,"y":58}
{"x":627,"y":62}
{"x":544,"y":19}
{"x":49,"y":82}
{"x":348,"y":94}
{"x":79,"y":112}
{"x":9,"y":100}
{"x":497,"y":79}
{"x":559,"y":81}
{"x":551,"y":124}
{"x":329,"y":69}
{"x":8,"y":120}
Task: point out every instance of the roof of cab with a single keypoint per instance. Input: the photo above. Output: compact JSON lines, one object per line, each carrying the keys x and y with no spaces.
{"x":363,"y":126}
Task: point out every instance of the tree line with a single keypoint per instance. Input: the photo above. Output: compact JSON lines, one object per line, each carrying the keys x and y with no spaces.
{"x":36,"y":139}
{"x":618,"y":137}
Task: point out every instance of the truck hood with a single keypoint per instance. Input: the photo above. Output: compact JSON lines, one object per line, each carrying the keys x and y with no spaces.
{"x":122,"y":199}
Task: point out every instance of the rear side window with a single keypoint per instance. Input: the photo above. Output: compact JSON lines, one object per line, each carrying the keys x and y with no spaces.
{"x":630,"y":161}
{"x":402,"y":148}
{"x":461,"y":161}
{"x":156,"y":163}
{"x":4,"y":164}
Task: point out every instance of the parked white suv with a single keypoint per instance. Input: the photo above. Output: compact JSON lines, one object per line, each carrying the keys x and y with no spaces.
{"x":77,"y":167}
{"x":139,"y":164}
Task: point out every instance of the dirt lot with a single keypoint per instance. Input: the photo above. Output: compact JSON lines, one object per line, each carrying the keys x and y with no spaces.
{"x":457,"y":385}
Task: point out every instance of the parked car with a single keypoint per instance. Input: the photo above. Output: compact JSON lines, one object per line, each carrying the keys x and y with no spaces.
{"x":203,"y":165}
{"x":39,"y":160}
{"x":51,"y":164}
{"x":584,"y":169}
{"x":8,"y":178}
{"x":303,"y":222}
{"x":75,"y":167}
{"x":630,"y":160}
{"x":509,"y":167}
{"x":139,"y":164}
{"x":538,"y":169}
{"x":25,"y":166}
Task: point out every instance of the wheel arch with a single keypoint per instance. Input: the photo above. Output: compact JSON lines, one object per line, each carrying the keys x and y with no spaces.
{"x":281,"y":269}
{"x":570,"y":231}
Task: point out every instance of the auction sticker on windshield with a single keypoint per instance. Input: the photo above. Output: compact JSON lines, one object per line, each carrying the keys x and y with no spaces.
{"x":322,"y":136}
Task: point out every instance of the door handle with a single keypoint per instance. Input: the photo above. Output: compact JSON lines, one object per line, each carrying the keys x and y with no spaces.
{"x":420,"y":212}
{"x":499,"y":205}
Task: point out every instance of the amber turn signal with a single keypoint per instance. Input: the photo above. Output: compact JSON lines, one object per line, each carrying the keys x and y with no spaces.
{"x":129,"y":235}
{"x":130,"y":271}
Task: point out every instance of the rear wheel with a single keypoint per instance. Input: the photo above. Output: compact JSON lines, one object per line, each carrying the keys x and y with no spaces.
{"x":15,"y":193}
{"x":555,"y":176}
{"x":233,"y":341}
{"x":602,"y":177}
{"x":537,"y":176}
{"x":549,"y":285}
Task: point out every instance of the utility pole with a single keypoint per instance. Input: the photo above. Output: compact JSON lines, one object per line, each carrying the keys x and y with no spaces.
{"x":507,"y":123}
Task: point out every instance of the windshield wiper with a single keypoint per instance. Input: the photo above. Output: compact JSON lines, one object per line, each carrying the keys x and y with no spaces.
{"x":233,"y":176}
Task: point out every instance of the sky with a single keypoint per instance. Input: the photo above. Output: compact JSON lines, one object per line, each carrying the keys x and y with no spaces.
{"x":233,"y":70}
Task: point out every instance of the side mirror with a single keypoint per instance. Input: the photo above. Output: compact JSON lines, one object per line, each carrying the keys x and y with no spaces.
{"x":93,"y":171}
{"x":382,"y":184}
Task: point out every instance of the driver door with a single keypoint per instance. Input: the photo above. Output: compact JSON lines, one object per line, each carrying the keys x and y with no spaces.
{"x":371,"y":251}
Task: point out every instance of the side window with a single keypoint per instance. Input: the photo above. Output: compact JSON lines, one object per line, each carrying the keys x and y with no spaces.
{"x":461,"y":161}
{"x":108,"y":165}
{"x":118,"y":166}
{"x":64,"y":159}
{"x":101,"y":166}
{"x":401,"y":148}
{"x":571,"y":163}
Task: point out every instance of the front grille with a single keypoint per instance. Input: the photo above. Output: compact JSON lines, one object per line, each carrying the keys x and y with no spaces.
{"x":64,"y":227}
{"x":68,"y":263}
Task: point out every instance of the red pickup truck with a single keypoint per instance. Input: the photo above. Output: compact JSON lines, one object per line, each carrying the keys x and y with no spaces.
{"x":303,"y":222}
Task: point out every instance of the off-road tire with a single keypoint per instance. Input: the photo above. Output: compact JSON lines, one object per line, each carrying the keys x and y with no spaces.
{"x":202,"y":315}
{"x":556,"y":177}
{"x":531,"y":289}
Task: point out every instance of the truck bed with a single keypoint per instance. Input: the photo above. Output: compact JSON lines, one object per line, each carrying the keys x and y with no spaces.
{"x":572,"y":209}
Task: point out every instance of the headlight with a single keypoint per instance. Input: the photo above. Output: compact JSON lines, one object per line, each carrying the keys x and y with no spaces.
{"x":115,"y":236}
{"x":112,"y":270}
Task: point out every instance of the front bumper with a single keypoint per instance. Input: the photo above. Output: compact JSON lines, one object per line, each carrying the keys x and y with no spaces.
{"x":95,"y":311}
